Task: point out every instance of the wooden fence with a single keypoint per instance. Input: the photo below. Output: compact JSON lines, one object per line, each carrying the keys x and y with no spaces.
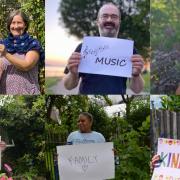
{"x":165,"y":124}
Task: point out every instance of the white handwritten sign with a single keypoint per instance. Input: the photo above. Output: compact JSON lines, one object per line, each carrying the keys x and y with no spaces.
{"x":86,"y":161}
{"x":168,"y":168}
{"x":107,"y":56}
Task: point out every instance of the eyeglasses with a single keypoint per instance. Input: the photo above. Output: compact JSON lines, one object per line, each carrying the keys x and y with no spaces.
{"x":114,"y":17}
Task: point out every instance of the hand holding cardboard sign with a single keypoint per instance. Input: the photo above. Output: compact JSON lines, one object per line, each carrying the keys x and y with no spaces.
{"x":154,"y":160}
{"x":137,"y":64}
{"x":73,"y":63}
{"x":167,"y":165}
{"x":106,"y":56}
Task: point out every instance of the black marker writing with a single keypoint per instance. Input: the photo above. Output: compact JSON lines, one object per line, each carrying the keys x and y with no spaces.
{"x":111,"y":61}
{"x":83,"y":161}
{"x":95,"y":51}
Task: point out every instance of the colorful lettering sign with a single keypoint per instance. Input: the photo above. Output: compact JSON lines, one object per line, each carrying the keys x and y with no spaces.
{"x":168,"y":168}
{"x":106,"y":56}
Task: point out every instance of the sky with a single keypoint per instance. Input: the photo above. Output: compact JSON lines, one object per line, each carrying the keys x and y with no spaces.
{"x":156,"y":100}
{"x":121,"y":107}
{"x":59,"y":45}
{"x":111,"y":110}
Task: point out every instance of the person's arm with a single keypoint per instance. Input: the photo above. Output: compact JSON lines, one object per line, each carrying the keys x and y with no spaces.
{"x":100,"y":138}
{"x":178,"y":90}
{"x":72,"y":78}
{"x":69,"y":140}
{"x":1,"y":68}
{"x":71,"y":81}
{"x":137,"y":82}
{"x":30,"y":60}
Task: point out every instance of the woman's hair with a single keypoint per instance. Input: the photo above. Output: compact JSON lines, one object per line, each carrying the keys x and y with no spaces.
{"x":20,"y":13}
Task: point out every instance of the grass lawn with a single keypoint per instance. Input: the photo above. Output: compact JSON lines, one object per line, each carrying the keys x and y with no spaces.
{"x":146,"y":78}
{"x":49,"y":82}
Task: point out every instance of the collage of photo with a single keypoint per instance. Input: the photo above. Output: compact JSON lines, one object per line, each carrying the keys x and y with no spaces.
{"x":89,"y":90}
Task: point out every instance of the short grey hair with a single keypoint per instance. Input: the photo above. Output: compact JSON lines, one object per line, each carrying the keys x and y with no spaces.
{"x":110,"y":3}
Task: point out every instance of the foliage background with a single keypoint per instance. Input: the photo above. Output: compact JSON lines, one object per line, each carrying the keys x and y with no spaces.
{"x":128,"y":130}
{"x":22,"y":119}
{"x":171,"y":103}
{"x":79,"y":18}
{"x":165,"y":43}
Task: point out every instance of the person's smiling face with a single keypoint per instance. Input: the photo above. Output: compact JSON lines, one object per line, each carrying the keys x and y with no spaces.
{"x":17,"y":26}
{"x":84,"y":124}
{"x":108,"y":20}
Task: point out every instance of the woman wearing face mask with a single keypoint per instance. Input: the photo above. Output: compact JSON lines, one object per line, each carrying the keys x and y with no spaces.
{"x":20,"y":54}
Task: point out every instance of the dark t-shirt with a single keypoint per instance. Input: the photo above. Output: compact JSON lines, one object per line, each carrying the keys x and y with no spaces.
{"x":100,"y":84}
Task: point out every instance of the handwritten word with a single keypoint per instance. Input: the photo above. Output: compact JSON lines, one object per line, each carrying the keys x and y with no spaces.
{"x":83,"y":161}
{"x":74,"y":160}
{"x":94,"y":52}
{"x":171,"y":160}
{"x":111,"y":61}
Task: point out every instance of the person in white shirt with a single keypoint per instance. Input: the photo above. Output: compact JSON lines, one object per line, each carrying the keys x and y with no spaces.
{"x":85,"y":134}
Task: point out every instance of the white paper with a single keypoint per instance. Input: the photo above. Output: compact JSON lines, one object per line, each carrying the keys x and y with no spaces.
{"x":107,"y":56}
{"x":86,"y":161}
{"x":169,"y":168}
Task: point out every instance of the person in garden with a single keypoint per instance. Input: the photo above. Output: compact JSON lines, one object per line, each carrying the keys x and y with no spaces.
{"x":108,"y":22}
{"x":20,"y":55}
{"x":85,"y":134}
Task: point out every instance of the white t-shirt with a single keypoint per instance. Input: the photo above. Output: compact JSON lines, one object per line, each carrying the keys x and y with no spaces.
{"x":77,"y":137}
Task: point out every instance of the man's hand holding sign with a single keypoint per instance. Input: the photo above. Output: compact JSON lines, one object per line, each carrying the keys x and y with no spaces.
{"x":104,"y":63}
{"x":133,"y":63}
{"x":106,"y":56}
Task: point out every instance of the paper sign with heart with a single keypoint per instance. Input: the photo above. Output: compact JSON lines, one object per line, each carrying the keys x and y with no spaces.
{"x":84,"y":167}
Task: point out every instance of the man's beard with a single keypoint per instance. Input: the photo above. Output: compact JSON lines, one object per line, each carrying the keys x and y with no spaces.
{"x":108,"y":32}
